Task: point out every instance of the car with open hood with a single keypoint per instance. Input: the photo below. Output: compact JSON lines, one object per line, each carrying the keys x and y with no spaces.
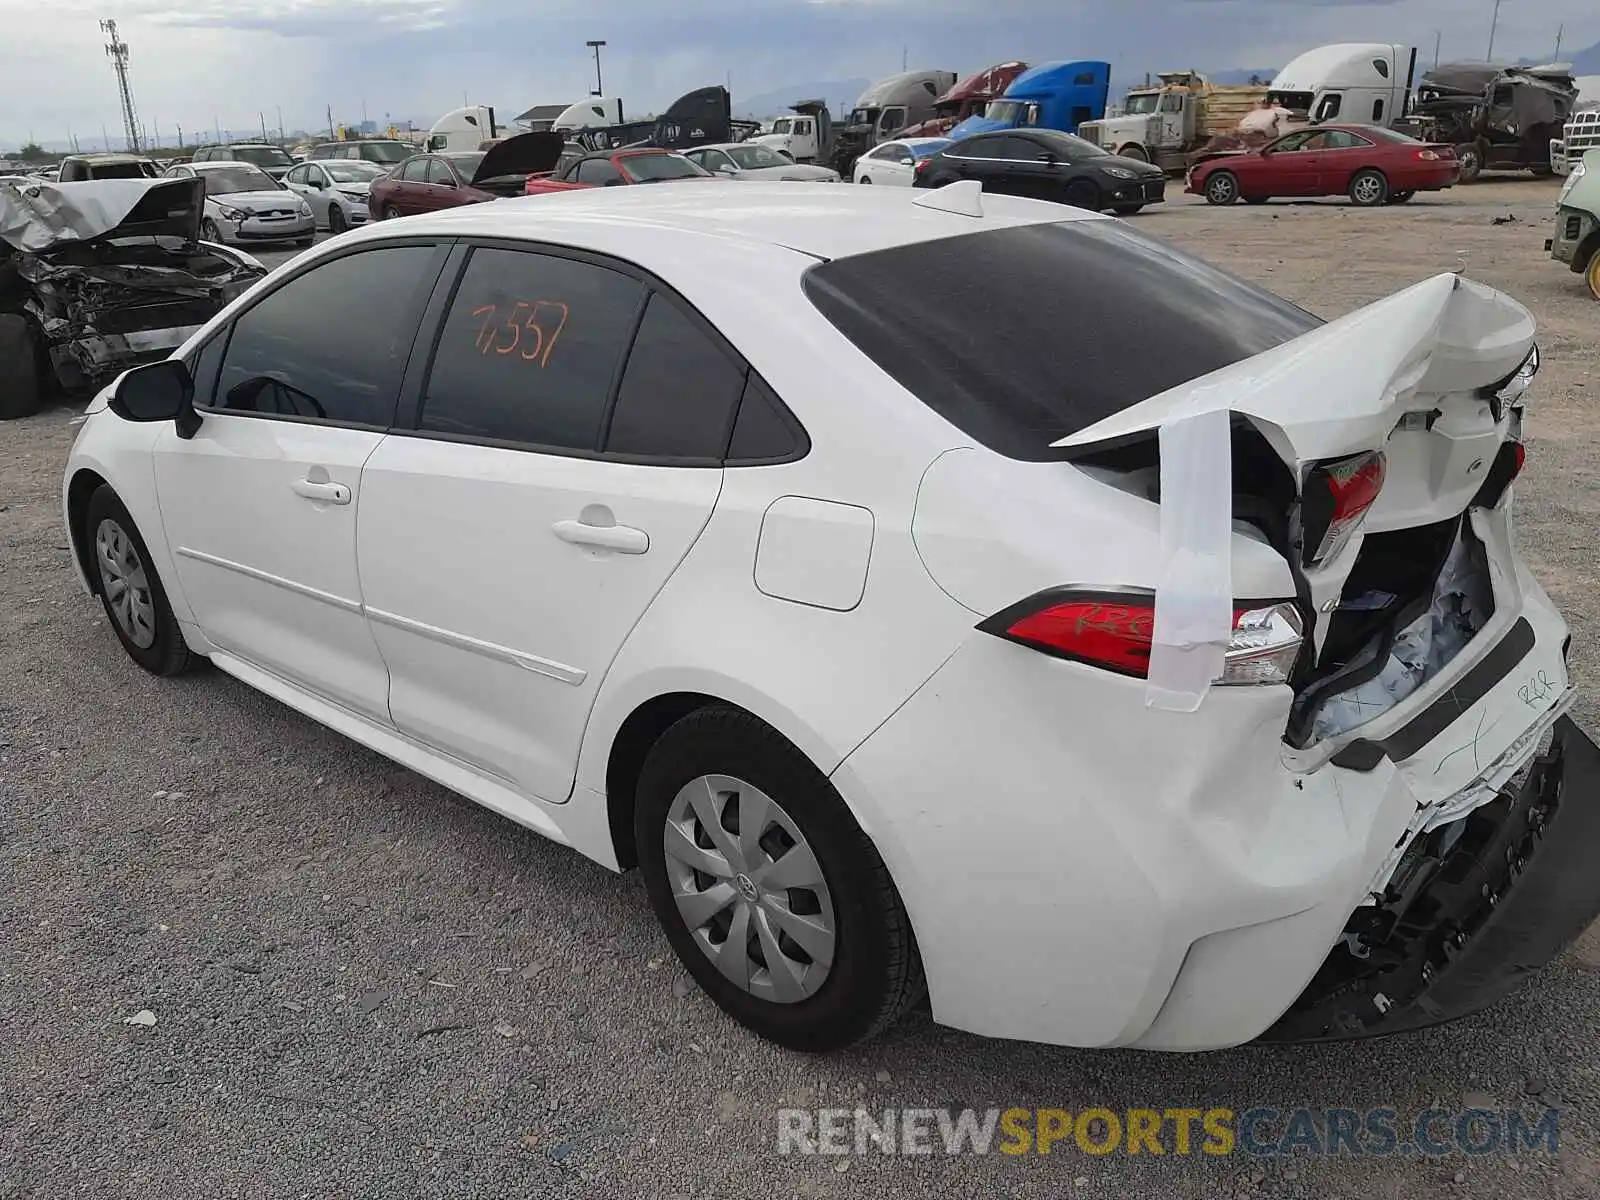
{"x":99,"y":276}
{"x":928,"y":592}
{"x":245,"y":204}
{"x":451,"y":178}
{"x":618,"y":168}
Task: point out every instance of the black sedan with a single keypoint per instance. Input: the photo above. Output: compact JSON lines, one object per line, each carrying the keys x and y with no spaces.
{"x":1047,"y":165}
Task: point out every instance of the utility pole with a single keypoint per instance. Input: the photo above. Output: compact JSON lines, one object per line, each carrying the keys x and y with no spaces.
{"x":1437,"y":38}
{"x":117,"y":52}
{"x":363,"y":114}
{"x":332,"y":137}
{"x":263,"y":118}
{"x":599,"y":87}
{"x":282,"y":137}
{"x":1560,"y":29}
{"x":1493,"y":22}
{"x":218,"y":125}
{"x":180,"y":139}
{"x":105,"y":138}
{"x":905,"y":53}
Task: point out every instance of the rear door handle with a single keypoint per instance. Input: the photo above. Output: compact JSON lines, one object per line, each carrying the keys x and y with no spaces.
{"x":328,"y":493}
{"x":624,"y":539}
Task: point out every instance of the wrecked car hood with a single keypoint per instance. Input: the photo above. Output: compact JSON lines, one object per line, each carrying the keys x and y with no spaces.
{"x":47,"y":216}
{"x":525,"y":154}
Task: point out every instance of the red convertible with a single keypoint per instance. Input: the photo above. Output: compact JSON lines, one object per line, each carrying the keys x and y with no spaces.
{"x":608,"y":168}
{"x":429,"y":182}
{"x":1370,"y":165}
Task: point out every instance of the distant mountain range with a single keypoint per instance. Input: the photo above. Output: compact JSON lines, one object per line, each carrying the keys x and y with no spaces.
{"x":839,"y":93}
{"x":1584,"y":62}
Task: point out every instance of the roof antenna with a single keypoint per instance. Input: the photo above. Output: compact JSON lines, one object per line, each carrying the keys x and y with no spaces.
{"x":964,"y":198}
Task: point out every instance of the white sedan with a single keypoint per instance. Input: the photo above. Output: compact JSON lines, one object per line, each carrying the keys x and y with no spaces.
{"x":1115,"y":698}
{"x":895,"y":163}
{"x":336,"y":189}
{"x":748,"y":160}
{"x":245,"y":204}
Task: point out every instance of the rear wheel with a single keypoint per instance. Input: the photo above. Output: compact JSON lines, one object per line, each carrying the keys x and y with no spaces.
{"x":1369,"y":189}
{"x":1591,"y":274}
{"x":1126,"y":210}
{"x":1470,"y":156}
{"x":21,"y":381}
{"x":131,"y":591}
{"x":1400,"y":197}
{"x":1222,"y":188}
{"x":865,"y":179}
{"x":1083,"y":193}
{"x":772,"y":896}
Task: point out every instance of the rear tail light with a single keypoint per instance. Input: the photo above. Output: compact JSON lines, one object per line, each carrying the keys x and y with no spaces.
{"x":922,"y":164}
{"x":1115,"y":632}
{"x":1429,"y":155}
{"x":1337,"y":497}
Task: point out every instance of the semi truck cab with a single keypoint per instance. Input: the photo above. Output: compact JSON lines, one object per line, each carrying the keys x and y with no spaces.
{"x":1364,"y":82}
{"x":1054,"y":95}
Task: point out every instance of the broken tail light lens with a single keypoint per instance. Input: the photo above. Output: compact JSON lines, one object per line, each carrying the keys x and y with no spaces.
{"x":1115,"y":633}
{"x":1508,"y":464}
{"x":1337,"y":496}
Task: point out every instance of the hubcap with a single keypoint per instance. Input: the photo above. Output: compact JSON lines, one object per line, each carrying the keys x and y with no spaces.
{"x":1367,"y":188}
{"x":127,"y":587}
{"x":1222,"y":188}
{"x":749,"y":888}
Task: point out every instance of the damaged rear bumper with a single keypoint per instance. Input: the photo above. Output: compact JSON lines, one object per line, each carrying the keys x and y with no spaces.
{"x":1504,"y":893}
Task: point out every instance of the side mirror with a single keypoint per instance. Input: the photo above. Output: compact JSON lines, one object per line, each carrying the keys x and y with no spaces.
{"x":158,"y":391}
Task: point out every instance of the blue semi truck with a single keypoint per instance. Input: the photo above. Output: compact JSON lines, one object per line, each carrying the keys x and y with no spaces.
{"x":1053,"y":95}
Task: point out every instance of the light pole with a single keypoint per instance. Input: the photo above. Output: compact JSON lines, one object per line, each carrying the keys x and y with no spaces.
{"x":599,"y":88}
{"x":1493,"y":21}
{"x":1438,"y":38}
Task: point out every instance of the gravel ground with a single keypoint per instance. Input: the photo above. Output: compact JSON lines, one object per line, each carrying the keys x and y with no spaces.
{"x":364,"y":986}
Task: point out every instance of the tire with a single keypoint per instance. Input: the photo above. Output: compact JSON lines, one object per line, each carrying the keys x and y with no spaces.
{"x":1369,"y":189}
{"x":1222,"y":187}
{"x":304,"y":243}
{"x":145,"y":625}
{"x":1591,"y":274}
{"x":719,"y":761}
{"x":1470,"y":156}
{"x":865,"y":179}
{"x":1083,"y":193}
{"x":1256,"y":199}
{"x":390,"y":212}
{"x":336,"y":221}
{"x":1134,"y":152}
{"x":209,"y":231}
{"x":1126,"y":210}
{"x":1400,"y":197}
{"x":21,"y":382}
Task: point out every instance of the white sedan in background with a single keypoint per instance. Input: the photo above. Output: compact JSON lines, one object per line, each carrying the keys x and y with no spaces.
{"x":336,"y":189}
{"x":245,"y":204}
{"x":1114,"y":698}
{"x":894,"y":163}
{"x":746,"y":160}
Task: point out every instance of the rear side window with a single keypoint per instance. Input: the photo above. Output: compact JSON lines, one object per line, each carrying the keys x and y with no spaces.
{"x":530,"y":350}
{"x":1022,"y":336}
{"x":331,"y":344}
{"x":679,"y":391}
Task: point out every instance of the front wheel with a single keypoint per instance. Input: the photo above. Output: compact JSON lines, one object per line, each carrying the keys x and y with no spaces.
{"x":865,"y":179}
{"x":209,"y":231}
{"x":131,"y":591}
{"x":1222,"y":188}
{"x":390,"y":212}
{"x":1591,"y":275}
{"x":1137,"y":153}
{"x":21,"y":381}
{"x":1126,"y":210}
{"x":1369,"y":189}
{"x":1082,"y":193}
{"x":772,"y":896}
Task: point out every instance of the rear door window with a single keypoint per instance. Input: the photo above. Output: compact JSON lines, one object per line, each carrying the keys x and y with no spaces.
{"x":530,"y":349}
{"x":1021,"y":336}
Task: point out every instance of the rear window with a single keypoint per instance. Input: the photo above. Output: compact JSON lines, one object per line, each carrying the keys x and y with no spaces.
{"x":1022,"y":336}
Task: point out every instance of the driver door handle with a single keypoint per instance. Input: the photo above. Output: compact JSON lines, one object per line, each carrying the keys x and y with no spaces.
{"x":328,"y":493}
{"x":624,"y":539}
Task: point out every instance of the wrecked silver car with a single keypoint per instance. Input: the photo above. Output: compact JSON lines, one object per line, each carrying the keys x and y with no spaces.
{"x":99,"y":276}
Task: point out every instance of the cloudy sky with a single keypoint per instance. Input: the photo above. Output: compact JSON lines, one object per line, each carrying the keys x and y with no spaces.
{"x":203,"y":62}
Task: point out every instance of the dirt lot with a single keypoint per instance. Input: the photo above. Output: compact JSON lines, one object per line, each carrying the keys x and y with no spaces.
{"x":366,"y":987}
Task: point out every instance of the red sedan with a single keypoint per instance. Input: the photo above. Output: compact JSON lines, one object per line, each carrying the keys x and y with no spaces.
{"x":429,"y":182}
{"x":1370,"y":165}
{"x":608,"y":168}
